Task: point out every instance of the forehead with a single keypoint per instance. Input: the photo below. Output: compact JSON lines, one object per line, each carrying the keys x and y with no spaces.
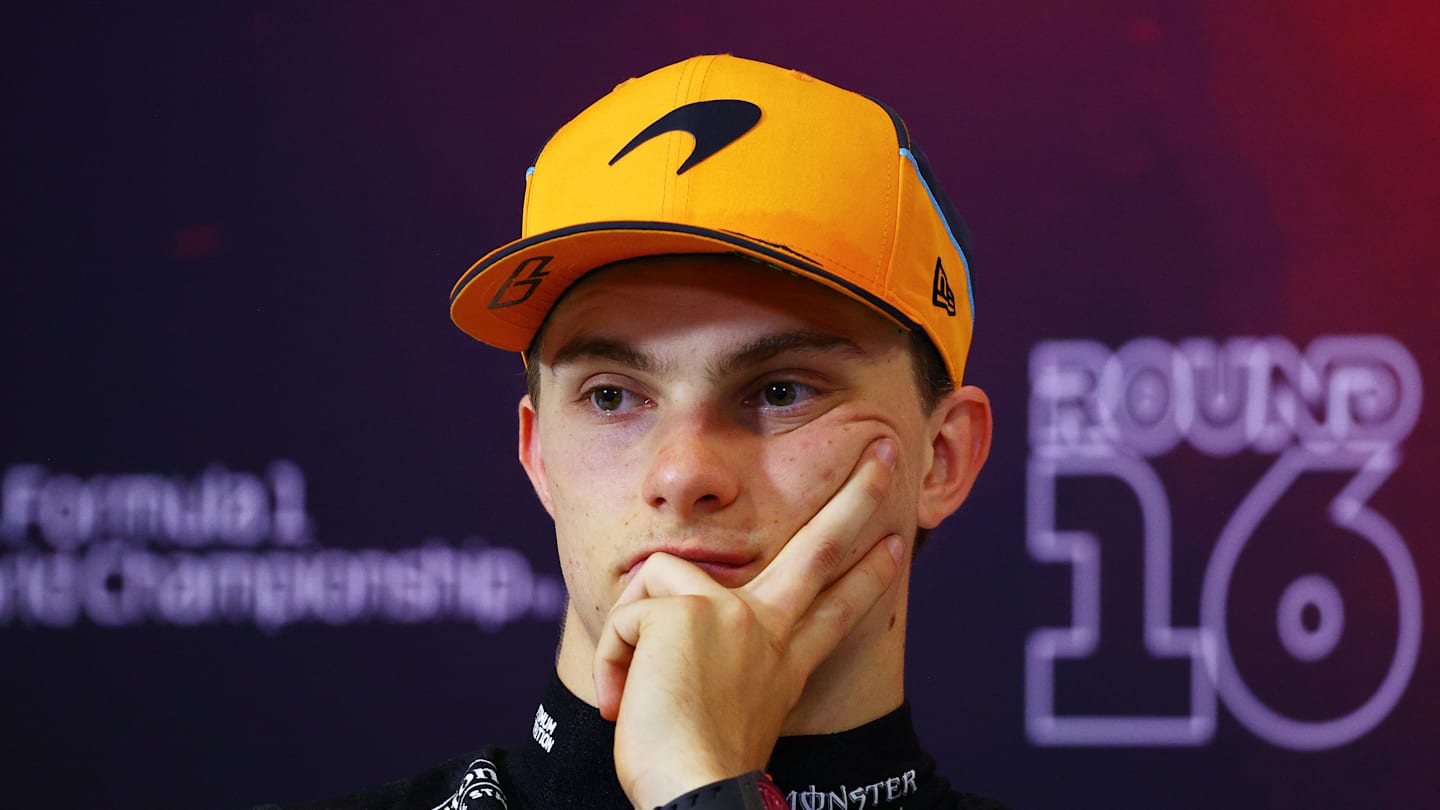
{"x":710,"y":298}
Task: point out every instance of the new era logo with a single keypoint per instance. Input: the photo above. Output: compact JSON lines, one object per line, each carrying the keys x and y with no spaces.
{"x":942,"y":296}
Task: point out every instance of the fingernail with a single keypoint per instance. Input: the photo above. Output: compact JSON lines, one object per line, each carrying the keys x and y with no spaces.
{"x":896,"y":546}
{"x":885,"y":449}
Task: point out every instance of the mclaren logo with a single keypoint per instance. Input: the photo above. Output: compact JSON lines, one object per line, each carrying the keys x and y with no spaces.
{"x":715,"y":124}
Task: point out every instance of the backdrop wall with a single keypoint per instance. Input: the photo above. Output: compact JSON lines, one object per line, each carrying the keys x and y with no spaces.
{"x":260,"y":520}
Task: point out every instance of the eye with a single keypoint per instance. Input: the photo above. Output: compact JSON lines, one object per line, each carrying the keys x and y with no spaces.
{"x":779,"y":394}
{"x":607,"y":398}
{"x":612,"y":400}
{"x":784,"y":393}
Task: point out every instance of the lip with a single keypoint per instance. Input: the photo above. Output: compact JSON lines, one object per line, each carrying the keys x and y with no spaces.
{"x":729,"y":568}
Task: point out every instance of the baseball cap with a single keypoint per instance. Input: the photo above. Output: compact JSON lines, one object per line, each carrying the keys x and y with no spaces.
{"x":718,"y":154}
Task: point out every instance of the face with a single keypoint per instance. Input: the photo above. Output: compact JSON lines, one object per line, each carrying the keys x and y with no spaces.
{"x":708,"y":407}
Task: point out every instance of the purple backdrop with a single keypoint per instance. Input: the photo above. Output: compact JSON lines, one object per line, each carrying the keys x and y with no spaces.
{"x":261,"y":521}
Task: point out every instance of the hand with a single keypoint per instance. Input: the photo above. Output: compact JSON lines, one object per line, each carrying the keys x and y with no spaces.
{"x":700,"y":677}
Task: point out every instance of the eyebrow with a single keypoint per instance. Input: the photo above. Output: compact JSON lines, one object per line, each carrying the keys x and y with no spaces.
{"x":751,"y":354}
{"x":582,"y":347}
{"x":770,"y":346}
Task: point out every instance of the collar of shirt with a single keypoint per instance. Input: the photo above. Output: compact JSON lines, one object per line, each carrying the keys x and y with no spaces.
{"x":567,"y":762}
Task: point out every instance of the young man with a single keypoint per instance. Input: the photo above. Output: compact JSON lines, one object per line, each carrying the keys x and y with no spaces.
{"x":744,"y":310}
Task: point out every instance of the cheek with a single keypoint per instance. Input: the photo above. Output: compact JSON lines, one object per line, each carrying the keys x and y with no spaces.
{"x":808,"y":466}
{"x":588,"y":482}
{"x":583,"y":469}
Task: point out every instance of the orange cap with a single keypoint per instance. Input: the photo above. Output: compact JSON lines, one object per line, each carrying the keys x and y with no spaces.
{"x":718,"y":154}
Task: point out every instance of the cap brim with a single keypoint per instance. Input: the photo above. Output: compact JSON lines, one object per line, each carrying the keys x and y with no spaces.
{"x":504,"y":298}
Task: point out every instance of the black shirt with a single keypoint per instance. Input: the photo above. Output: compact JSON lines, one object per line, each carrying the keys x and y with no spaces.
{"x":567,"y":763}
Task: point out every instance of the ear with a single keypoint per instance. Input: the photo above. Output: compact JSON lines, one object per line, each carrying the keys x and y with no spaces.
{"x":530,"y":456}
{"x":959,"y":428}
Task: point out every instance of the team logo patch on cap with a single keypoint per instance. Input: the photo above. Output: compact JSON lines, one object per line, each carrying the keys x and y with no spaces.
{"x":793,"y":172}
{"x":715,"y":124}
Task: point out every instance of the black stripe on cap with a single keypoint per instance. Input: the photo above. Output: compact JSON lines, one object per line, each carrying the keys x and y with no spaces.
{"x":777,"y":253}
{"x":947,"y":210}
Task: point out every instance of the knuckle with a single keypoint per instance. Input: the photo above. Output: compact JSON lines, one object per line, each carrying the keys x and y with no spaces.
{"x":830,"y":555}
{"x":876,"y":488}
{"x":844,"y":614}
{"x":742,"y":619}
{"x":778,"y":645}
{"x":733,"y":609}
{"x":731,"y":615}
{"x":690,"y":608}
{"x":877,"y":579}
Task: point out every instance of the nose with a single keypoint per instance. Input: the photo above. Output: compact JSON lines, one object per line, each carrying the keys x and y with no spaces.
{"x":691,"y":471}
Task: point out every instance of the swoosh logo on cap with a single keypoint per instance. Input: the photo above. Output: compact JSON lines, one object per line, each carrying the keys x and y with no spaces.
{"x":715,"y":124}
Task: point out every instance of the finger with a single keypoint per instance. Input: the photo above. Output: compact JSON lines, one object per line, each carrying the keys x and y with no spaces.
{"x":612,"y":665}
{"x":663,"y":574}
{"x":660,"y":575}
{"x":826,"y":545}
{"x":613,"y":652}
{"x":840,"y":607}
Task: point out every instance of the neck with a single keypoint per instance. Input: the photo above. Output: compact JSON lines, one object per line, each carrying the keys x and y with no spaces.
{"x":878,"y":765}
{"x":863,"y":679}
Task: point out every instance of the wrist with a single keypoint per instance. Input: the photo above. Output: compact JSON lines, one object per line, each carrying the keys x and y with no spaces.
{"x":748,"y":791}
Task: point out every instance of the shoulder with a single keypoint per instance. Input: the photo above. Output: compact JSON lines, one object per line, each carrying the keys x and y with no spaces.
{"x":437,"y":788}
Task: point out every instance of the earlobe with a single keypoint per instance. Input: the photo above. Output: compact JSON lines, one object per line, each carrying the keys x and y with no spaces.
{"x":529,"y":450}
{"x":960,"y":429}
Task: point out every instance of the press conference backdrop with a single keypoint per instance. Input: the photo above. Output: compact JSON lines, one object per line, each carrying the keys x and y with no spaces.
{"x":262,"y":534}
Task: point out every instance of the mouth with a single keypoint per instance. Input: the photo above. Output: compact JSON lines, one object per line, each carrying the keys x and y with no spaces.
{"x":730,"y":569}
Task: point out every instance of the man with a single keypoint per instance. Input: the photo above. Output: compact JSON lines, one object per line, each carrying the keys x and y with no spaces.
{"x":744,"y":310}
